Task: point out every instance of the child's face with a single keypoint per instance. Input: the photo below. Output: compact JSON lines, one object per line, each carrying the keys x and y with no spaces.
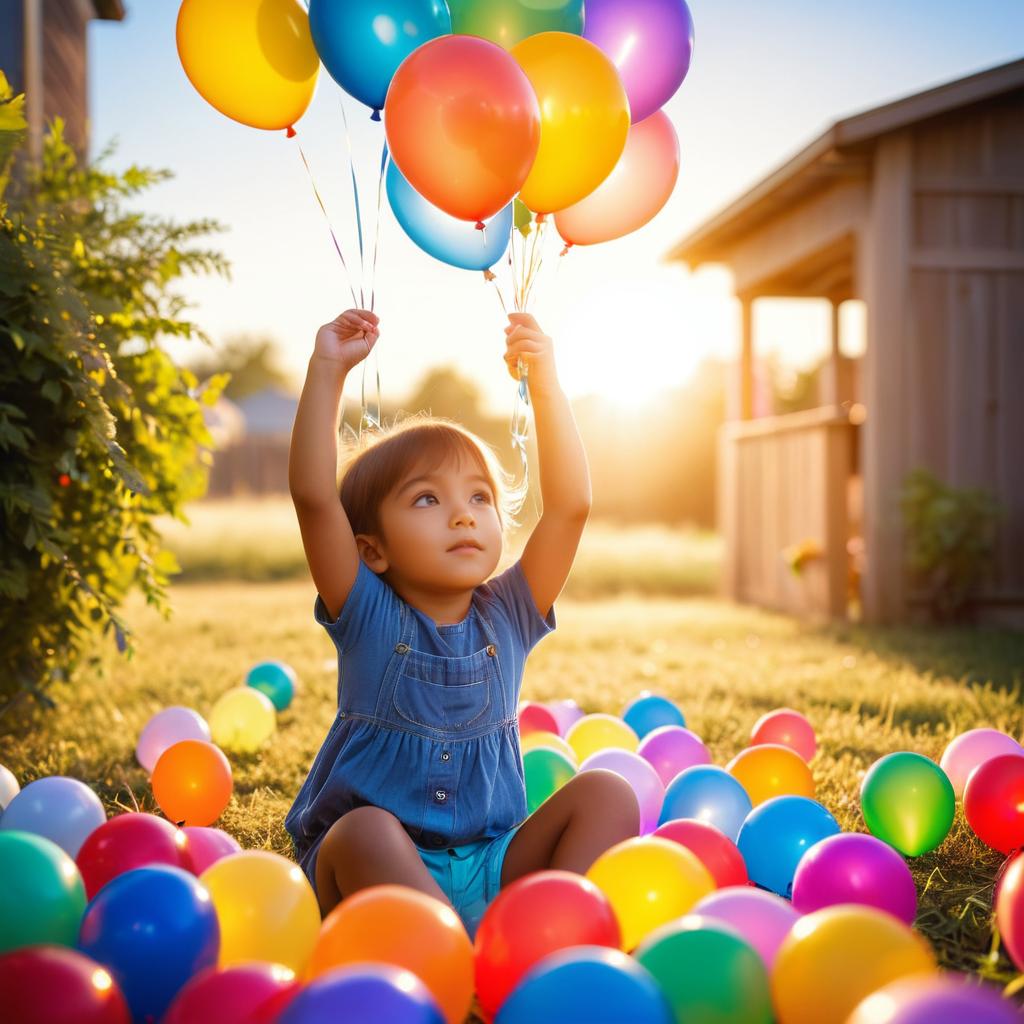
{"x":440,"y":528}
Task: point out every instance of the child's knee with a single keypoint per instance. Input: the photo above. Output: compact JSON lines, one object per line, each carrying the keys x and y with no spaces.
{"x":360,"y":828}
{"x":610,"y":795}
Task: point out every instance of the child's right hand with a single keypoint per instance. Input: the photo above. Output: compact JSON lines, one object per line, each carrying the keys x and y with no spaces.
{"x":348,"y":339}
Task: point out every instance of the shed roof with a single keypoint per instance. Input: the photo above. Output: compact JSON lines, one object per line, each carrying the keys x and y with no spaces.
{"x":109,"y":10}
{"x":840,"y":151}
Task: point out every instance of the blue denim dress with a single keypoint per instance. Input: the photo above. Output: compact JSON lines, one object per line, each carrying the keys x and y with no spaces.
{"x":427,"y":718}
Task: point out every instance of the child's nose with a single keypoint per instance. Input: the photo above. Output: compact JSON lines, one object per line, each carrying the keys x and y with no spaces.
{"x":463,"y":517}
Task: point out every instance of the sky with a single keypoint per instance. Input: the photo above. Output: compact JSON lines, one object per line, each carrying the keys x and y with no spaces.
{"x":765,"y":80}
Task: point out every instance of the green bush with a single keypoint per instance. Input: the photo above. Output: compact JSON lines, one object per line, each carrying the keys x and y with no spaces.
{"x":951,"y":541}
{"x":99,"y":431}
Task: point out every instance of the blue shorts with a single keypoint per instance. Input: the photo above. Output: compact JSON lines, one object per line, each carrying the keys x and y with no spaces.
{"x":469,"y":875}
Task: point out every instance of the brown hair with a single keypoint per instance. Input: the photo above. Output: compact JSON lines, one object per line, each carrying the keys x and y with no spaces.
{"x":381,"y":459}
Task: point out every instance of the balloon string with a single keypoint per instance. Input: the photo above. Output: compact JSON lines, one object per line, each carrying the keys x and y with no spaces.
{"x":330,"y":228}
{"x":376,"y":237}
{"x":358,"y":209}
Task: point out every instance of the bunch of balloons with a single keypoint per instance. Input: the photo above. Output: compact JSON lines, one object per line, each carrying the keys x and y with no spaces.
{"x":556,"y":104}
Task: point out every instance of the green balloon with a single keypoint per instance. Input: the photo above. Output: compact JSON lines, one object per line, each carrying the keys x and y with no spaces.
{"x":42,"y":897}
{"x":908,"y":802}
{"x":275,"y":680}
{"x":546,"y":771}
{"x":708,"y":974}
{"x":507,"y":22}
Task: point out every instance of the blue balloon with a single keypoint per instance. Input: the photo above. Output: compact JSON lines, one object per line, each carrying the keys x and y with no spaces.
{"x":275,"y":679}
{"x":446,"y":238}
{"x":777,"y":834}
{"x":710,"y":794}
{"x":152,"y":928}
{"x":586,"y":985}
{"x":364,"y":994}
{"x":362,"y":42}
{"x":58,"y":808}
{"x":649,"y":712}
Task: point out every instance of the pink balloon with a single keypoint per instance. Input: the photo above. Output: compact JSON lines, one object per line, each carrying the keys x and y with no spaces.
{"x":206,"y":846}
{"x":253,"y":993}
{"x":650,"y":792}
{"x":963,"y":754}
{"x":672,"y":749}
{"x":534,"y":717}
{"x":789,"y":729}
{"x":166,"y":728}
{"x":855,"y":868}
{"x":762,"y":918}
{"x":567,"y":713}
{"x":1009,"y":907}
{"x":635,"y":191}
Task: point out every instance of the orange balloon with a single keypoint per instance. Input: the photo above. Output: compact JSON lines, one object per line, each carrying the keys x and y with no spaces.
{"x":463,"y":125}
{"x":396,"y":925}
{"x":633,"y":193}
{"x":192,"y":782}
{"x":770,"y":769}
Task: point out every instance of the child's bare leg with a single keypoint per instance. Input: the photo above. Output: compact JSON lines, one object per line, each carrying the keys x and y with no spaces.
{"x":588,"y":815}
{"x":368,"y":846}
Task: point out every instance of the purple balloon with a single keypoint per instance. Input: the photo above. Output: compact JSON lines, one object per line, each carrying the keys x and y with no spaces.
{"x":762,"y":918}
{"x":855,"y":868}
{"x":59,"y":808}
{"x":640,"y":775}
{"x":166,"y":728}
{"x":935,"y":999}
{"x":567,"y":713}
{"x":672,"y":749}
{"x":649,"y":41}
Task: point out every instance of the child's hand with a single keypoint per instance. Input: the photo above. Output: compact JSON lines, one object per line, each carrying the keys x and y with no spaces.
{"x":525,"y":340}
{"x":348,"y":339}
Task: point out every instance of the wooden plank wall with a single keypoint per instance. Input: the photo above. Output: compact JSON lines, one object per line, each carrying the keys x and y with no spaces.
{"x":64,"y":68}
{"x":963,"y":365}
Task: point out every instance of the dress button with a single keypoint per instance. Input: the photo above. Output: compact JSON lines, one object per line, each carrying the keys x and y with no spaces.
{"x":445,"y":756}
{"x":402,"y":648}
{"x":440,"y":795}
{"x":492,"y":650}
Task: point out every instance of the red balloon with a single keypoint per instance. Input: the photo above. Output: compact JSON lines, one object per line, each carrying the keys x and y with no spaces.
{"x":463,"y":125}
{"x":788,"y":728}
{"x":534,"y":916}
{"x":55,"y":985}
{"x":994,"y":802}
{"x":714,"y":849}
{"x":126,"y":842}
{"x":206,"y":846}
{"x":534,"y":717}
{"x":253,"y":993}
{"x":1010,"y":908}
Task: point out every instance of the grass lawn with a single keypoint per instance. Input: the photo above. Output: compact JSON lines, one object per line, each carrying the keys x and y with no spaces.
{"x":868,"y":692}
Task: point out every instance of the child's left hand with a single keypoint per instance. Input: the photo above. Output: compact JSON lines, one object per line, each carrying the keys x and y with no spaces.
{"x":525,"y":340}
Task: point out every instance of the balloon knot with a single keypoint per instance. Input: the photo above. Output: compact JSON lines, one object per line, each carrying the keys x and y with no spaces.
{"x":291,"y":133}
{"x":375,"y":116}
{"x":489,"y":275}
{"x":541,"y":217}
{"x":480,"y":225}
{"x":568,"y":246}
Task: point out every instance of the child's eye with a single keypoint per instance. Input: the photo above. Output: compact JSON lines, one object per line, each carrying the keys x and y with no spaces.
{"x":484,"y":496}
{"x":423,"y":500}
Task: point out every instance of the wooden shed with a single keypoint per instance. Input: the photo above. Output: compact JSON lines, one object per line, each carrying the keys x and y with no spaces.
{"x":43,"y":54}
{"x":915,"y":208}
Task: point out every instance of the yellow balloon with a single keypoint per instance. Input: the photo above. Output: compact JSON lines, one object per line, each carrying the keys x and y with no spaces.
{"x":584,"y":116}
{"x":533,"y":740}
{"x":833,"y":958}
{"x":649,"y":881}
{"x":242,"y":720}
{"x":592,"y":733}
{"x":770,"y":769}
{"x":253,"y":60}
{"x":266,"y":908}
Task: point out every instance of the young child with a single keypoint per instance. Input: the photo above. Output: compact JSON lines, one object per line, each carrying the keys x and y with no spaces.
{"x":420,"y":779}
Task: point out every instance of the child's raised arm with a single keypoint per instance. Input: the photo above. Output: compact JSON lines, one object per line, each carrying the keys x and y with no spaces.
{"x":564,"y":475}
{"x":313,"y":457}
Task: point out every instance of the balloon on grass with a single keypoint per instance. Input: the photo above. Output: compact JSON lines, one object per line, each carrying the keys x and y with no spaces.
{"x":586,"y":983}
{"x":600,"y":732}
{"x":855,"y":868}
{"x":507,"y":22}
{"x":42,"y":897}
{"x":707,"y":793}
{"x":534,"y":717}
{"x":546,"y":772}
{"x":253,"y":60}
{"x":993,"y":802}
{"x":244,"y":994}
{"x":533,"y":917}
{"x":650,"y":711}
{"x":777,"y":834}
{"x":716,"y":851}
{"x":1010,"y":910}
{"x":769,"y":770}
{"x":276,"y":680}
{"x":972,"y":748}
{"x":549,"y":741}
{"x":908,"y":802}
{"x":9,"y":787}
{"x":788,"y":728}
{"x":266,"y":907}
{"x":151,"y":916}
{"x":205,"y":846}
{"x":566,"y":712}
{"x":192,"y":782}
{"x":671,"y":749}
{"x":936,"y":999}
{"x":835,"y":957}
{"x":52,"y":985}
{"x":242,"y":720}
{"x":763,"y":919}
{"x":164,"y":729}
{"x":642,"y":778}
{"x":707,"y":972}
{"x":58,"y":808}
{"x":362,"y":43}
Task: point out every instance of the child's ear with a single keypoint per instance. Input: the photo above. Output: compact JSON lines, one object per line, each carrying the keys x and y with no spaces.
{"x":371,"y":551}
